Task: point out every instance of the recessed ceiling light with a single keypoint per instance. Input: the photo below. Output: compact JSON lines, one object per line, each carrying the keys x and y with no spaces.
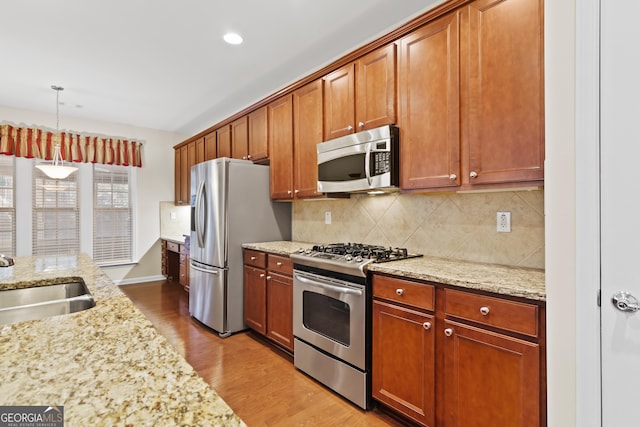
{"x":233,"y":38}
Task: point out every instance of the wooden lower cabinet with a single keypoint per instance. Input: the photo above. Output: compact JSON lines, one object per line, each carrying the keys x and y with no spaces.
{"x":403,"y":361}
{"x":268,"y":296}
{"x":490,"y":379}
{"x":452,"y":358}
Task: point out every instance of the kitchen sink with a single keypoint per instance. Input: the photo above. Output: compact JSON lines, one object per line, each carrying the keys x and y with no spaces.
{"x":38,"y":302}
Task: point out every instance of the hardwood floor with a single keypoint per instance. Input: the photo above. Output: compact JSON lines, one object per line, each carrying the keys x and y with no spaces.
{"x":257,"y":380}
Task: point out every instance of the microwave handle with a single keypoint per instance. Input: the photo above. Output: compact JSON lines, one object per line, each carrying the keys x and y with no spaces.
{"x":367,"y":163}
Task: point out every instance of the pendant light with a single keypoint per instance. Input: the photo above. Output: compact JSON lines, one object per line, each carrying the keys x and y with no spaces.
{"x":56,"y":169}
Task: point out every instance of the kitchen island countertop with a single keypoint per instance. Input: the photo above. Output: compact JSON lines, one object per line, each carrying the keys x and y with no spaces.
{"x":106,"y":365}
{"x":521,"y":282}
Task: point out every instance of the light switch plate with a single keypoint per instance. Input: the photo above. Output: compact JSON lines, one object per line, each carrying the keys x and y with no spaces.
{"x":504,"y":222}
{"x":327,"y":217}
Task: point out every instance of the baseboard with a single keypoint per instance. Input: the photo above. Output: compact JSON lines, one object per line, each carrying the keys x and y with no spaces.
{"x":135,"y":280}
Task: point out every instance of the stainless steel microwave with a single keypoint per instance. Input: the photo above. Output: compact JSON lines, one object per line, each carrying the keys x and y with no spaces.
{"x":363,"y":161}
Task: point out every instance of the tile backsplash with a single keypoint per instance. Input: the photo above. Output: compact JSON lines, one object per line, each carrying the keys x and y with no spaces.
{"x":449,"y":225}
{"x":174,"y":220}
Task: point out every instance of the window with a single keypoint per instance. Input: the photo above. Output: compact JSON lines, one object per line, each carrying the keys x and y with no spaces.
{"x":112,"y":215}
{"x":7,"y":207}
{"x":56,"y":215}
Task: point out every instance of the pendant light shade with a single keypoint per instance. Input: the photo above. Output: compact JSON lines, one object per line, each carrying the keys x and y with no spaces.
{"x":56,"y":169}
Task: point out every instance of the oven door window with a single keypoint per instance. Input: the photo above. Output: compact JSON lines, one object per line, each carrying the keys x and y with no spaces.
{"x":326,"y":316}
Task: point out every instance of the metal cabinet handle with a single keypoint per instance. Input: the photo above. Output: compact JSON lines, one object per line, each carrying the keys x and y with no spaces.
{"x":261,"y":275}
{"x":248,"y":156}
{"x":268,"y":277}
{"x":484,"y":310}
{"x":297,"y":191}
{"x":473,"y":174}
{"x":426,"y":325}
{"x":361,"y":124}
{"x":349,"y":128}
{"x":279,"y":264}
{"x":253,"y":258}
{"x":624,"y":301}
{"x":399,"y":291}
{"x":448,"y":332}
{"x":453,"y":177}
{"x":244,"y":157}
{"x":289,"y":192}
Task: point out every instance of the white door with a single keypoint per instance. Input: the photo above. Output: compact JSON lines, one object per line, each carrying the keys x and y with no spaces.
{"x":620,"y":209}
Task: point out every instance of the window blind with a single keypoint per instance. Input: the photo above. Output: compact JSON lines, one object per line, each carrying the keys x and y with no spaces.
{"x":56,"y":215}
{"x":7,"y":206}
{"x":112,"y":215}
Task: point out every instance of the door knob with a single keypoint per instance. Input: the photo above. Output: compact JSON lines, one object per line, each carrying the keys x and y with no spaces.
{"x":624,"y":301}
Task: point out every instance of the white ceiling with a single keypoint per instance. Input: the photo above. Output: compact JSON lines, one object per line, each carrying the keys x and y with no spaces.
{"x":162,"y":64}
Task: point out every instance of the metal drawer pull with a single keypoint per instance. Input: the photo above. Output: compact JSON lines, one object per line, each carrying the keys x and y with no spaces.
{"x":268,"y":277}
{"x":426,"y":325}
{"x":279,"y":264}
{"x":448,"y":332}
{"x":484,"y":310}
{"x":253,"y":258}
{"x":261,"y":275}
{"x":399,"y":291}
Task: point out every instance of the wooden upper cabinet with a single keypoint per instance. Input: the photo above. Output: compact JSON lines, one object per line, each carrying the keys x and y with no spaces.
{"x":280,"y":113}
{"x":361,"y":95}
{"x":505,"y":91}
{"x":376,"y":100}
{"x":240,"y":138}
{"x":224,"y":141}
{"x":307,"y":133}
{"x":200,"y":145}
{"x":185,"y":157}
{"x":258,"y":135}
{"x":339,"y":110}
{"x":210,"y":146}
{"x":430,"y":106}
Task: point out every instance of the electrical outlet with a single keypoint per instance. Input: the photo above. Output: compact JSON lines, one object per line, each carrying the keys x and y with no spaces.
{"x":504,"y":222}
{"x":172,"y":215}
{"x":327,"y":217}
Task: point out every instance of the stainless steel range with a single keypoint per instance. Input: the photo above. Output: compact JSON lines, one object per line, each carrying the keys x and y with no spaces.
{"x":332,"y":315}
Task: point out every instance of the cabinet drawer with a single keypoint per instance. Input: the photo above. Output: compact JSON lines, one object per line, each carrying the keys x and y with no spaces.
{"x":173,"y":247}
{"x":403,"y":291}
{"x":509,"y":315}
{"x":255,"y":258}
{"x":280,"y":264}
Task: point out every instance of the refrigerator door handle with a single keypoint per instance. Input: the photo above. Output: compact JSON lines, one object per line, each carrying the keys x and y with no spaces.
{"x":200,"y":225}
{"x":204,"y":270}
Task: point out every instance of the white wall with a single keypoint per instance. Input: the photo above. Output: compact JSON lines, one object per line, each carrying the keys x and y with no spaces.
{"x":154,"y":181}
{"x":560,"y":211}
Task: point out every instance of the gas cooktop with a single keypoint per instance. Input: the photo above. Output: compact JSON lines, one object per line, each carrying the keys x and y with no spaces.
{"x":348,"y":258}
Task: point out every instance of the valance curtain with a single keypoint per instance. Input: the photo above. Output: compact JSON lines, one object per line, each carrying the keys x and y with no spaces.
{"x":37,"y":143}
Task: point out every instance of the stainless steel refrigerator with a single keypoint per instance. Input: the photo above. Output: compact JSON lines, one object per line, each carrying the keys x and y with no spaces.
{"x":230,"y":205}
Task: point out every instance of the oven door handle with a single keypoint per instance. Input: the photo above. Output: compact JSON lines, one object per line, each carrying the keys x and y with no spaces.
{"x":329,"y":287}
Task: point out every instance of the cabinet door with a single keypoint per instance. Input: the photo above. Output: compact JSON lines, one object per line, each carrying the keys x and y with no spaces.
{"x":200,"y":150}
{"x":280,"y":309}
{"x":506,"y":91}
{"x":281,"y":147}
{"x":490,"y":379}
{"x":430,"y":106}
{"x":339,"y":102}
{"x":224,"y":141}
{"x":258,"y":135}
{"x":177,"y":176}
{"x":307,"y":134}
{"x":255,"y":299}
{"x":376,"y":88}
{"x":210,"y":146}
{"x":403,"y":361}
{"x":240,"y":138}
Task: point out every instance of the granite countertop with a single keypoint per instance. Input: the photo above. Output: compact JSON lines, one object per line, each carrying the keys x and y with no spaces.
{"x":513,"y":281}
{"x":106,"y":365}
{"x":175,"y":239}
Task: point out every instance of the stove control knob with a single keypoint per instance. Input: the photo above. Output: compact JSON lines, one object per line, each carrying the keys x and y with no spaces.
{"x":358,"y":258}
{"x":348,"y":258}
{"x":307,"y":251}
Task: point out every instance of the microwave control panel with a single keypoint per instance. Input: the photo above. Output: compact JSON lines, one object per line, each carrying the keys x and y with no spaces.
{"x":381,"y":162}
